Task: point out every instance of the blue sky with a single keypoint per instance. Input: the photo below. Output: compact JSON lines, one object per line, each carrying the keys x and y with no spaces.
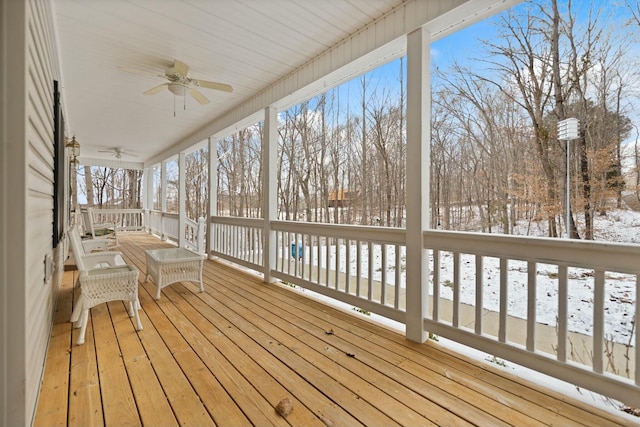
{"x":463,"y":46}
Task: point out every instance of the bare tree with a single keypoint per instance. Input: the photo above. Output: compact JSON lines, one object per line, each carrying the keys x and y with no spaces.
{"x":521,"y":57}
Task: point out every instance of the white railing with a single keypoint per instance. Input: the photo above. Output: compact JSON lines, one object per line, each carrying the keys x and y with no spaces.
{"x":544,"y":285}
{"x":238,"y":240}
{"x":154,"y":225}
{"x":358,"y":265}
{"x":194,"y":233}
{"x":478,"y":283}
{"x":165,"y":225}
{"x":342,"y":262}
{"x":124,"y":219}
{"x":170,"y":226}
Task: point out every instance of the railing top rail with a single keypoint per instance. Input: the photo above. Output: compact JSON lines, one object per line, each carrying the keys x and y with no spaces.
{"x":116,"y":210}
{"x":236,"y":220}
{"x":619,"y":257}
{"x":382,"y":235}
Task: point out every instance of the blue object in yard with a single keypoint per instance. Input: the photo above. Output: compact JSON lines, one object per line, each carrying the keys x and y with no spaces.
{"x":293,"y":251}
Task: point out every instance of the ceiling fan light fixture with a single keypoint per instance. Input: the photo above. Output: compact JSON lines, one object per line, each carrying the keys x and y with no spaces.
{"x":178,"y":89}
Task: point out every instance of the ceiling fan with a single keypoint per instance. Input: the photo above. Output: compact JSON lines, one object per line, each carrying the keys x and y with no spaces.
{"x":118,"y":152}
{"x":180,"y":83}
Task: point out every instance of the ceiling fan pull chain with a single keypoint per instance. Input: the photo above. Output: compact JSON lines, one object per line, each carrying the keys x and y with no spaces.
{"x":174,"y":105}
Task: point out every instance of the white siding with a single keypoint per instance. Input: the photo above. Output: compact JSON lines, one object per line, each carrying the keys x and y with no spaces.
{"x":27,"y":305}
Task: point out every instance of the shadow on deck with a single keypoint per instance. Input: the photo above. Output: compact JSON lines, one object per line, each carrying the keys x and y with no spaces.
{"x":229,"y":355}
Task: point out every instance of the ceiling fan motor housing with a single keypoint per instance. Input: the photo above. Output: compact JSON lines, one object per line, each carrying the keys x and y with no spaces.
{"x":178,"y":89}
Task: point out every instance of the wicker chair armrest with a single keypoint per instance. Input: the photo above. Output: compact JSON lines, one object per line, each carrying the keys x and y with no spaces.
{"x":90,"y":245}
{"x":112,"y":259}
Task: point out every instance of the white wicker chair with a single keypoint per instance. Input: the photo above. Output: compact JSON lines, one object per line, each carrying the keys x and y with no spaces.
{"x":106,"y":231}
{"x":84,"y":248}
{"x":99,"y":285}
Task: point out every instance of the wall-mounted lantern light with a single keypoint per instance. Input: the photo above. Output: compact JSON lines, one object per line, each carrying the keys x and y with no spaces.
{"x":74,"y":151}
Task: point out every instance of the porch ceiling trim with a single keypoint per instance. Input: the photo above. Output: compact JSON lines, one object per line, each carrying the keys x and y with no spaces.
{"x":111,"y":163}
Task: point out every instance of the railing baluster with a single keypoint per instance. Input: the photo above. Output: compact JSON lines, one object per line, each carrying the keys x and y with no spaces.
{"x":296,"y":258}
{"x":531,"y":305}
{"x":436,"y":284}
{"x":320,"y":261}
{"x":287,"y":254}
{"x":255,"y":243}
{"x":636,"y":350}
{"x":383,"y":291}
{"x":327,"y":275}
{"x":563,"y":311}
{"x":598,"y":321}
{"x":254,"y":246}
{"x":358,"y":266}
{"x":283,"y":253}
{"x":236,"y":241}
{"x":303,"y":263}
{"x":479,"y":294}
{"x":456,"y":289}
{"x":337,"y":263}
{"x":370,"y":272}
{"x":504,"y":298}
{"x":347,"y":284}
{"x":396,"y":287}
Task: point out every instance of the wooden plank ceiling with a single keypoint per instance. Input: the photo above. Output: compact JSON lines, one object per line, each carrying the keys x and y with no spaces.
{"x":248,"y":44}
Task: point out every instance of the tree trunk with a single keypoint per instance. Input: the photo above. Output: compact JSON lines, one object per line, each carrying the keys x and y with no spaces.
{"x":586,"y":189}
{"x":88,"y":181}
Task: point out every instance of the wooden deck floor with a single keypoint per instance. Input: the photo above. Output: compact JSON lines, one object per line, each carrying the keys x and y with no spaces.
{"x":229,"y":355}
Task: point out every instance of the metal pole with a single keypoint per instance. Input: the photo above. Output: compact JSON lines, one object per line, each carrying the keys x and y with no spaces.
{"x":568,"y":209}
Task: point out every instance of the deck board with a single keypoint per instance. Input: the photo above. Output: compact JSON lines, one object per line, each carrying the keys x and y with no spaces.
{"x":153,"y":407}
{"x":237,"y":351}
{"x":229,"y":355}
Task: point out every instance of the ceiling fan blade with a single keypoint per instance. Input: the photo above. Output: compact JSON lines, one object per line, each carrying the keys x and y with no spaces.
{"x":213,"y":85}
{"x":180,"y":67}
{"x":156,"y":89}
{"x":198,"y":96}
{"x":136,"y":71}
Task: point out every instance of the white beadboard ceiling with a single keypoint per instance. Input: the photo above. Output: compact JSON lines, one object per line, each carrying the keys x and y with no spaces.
{"x":249,"y":44}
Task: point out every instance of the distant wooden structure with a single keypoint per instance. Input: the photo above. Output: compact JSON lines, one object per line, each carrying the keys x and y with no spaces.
{"x":338,"y":198}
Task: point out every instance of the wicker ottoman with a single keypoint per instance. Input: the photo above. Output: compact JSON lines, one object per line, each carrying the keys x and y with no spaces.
{"x":172,"y":265}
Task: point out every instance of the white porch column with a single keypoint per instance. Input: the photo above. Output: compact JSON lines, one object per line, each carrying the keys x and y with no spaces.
{"x":270,"y":209}
{"x":213,"y":193}
{"x":418,"y":137}
{"x":147,"y":199}
{"x":182,"y":199}
{"x":73,"y":177}
{"x":163,"y":196}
